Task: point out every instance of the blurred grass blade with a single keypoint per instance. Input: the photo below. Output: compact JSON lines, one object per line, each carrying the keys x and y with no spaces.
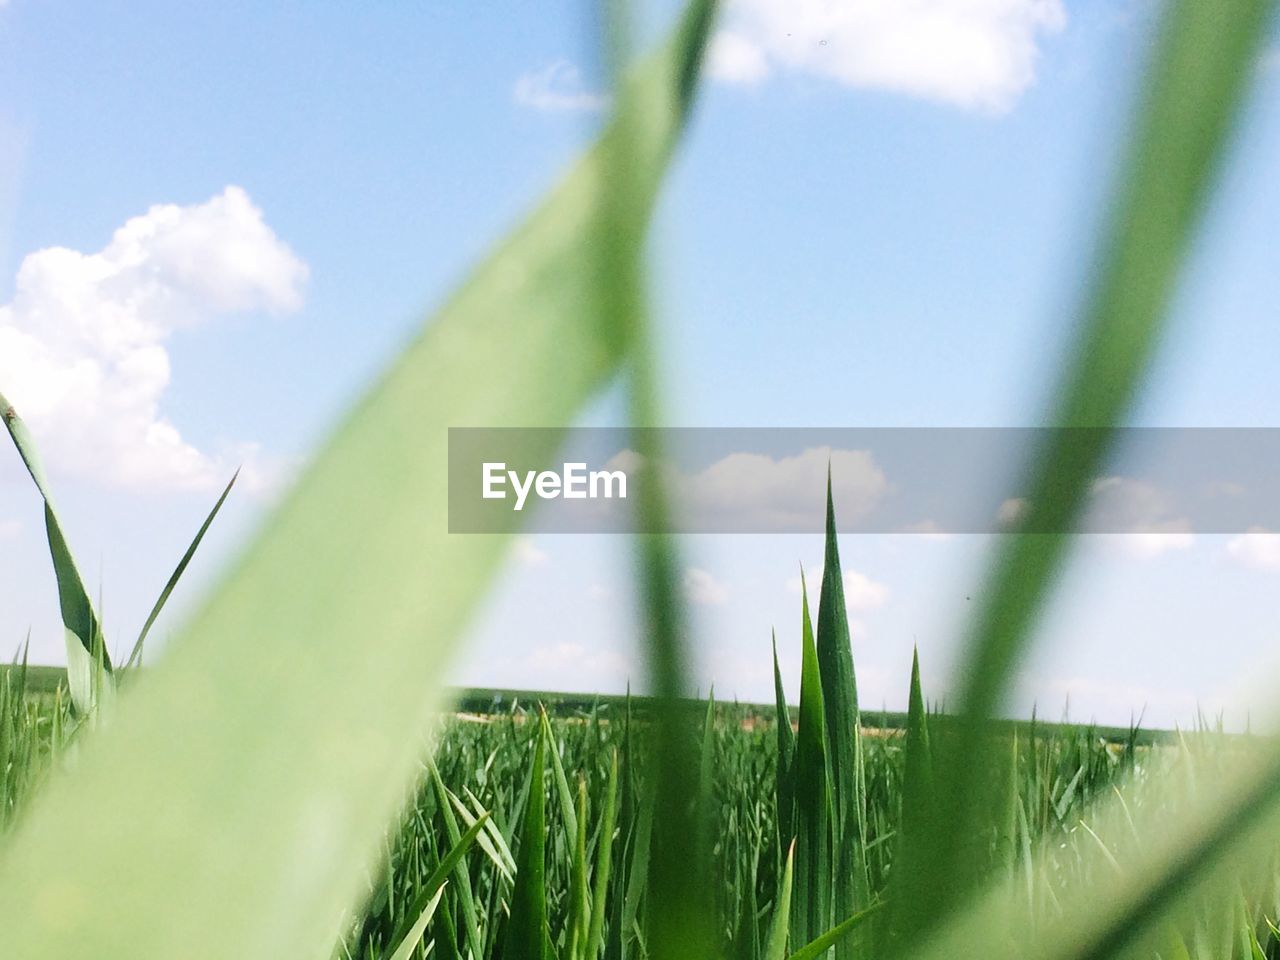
{"x":527,"y":927}
{"x":1199,"y":73}
{"x":1168,"y":863}
{"x":135,"y":655}
{"x":256,"y":798}
{"x":83,"y":630}
{"x":680,"y":923}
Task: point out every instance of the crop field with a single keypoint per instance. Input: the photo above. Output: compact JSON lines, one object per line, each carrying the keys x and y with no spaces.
{"x":454,"y":875}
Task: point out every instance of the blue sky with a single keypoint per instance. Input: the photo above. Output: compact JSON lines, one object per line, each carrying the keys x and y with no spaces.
{"x":871,"y":223}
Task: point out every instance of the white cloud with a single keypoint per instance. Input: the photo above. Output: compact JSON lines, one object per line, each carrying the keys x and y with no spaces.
{"x":928,"y":530}
{"x":557,"y":88}
{"x":735,"y":59}
{"x":1133,"y":517}
{"x":1148,"y":545}
{"x":1258,"y":548}
{"x":704,"y":589}
{"x":1143,"y":512}
{"x":860,"y":591}
{"x":82,"y":344}
{"x":9,"y":528}
{"x":527,"y":552}
{"x":752,"y":491}
{"x":976,"y":54}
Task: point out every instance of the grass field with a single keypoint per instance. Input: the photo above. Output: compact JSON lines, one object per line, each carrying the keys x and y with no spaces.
{"x":580,"y":818}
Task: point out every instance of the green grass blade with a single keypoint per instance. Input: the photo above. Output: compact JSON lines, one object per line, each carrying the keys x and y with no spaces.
{"x":558,"y":778}
{"x":414,"y":936}
{"x":707,"y":761}
{"x":680,"y":918}
{"x":83,"y":629}
{"x":1225,"y":831}
{"x":776,"y":946}
{"x":490,"y":839}
{"x":851,"y":890}
{"x":579,"y":916}
{"x":604,"y":864}
{"x":462,"y":885}
{"x":135,"y":655}
{"x":811,"y":909}
{"x":527,"y":934}
{"x":912,"y":860}
{"x":819,"y":946}
{"x":1196,"y":82}
{"x":429,"y":893}
{"x":784,"y":776}
{"x":258,"y":797}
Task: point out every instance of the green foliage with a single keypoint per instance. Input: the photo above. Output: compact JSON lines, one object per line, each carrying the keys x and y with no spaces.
{"x":1195,"y":85}
{"x":527,"y":929}
{"x":811,"y":909}
{"x":266,"y":790}
{"x":850,"y":882}
{"x":85,"y":644}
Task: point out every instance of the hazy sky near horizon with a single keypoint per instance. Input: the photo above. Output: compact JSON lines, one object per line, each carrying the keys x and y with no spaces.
{"x":218,"y":222}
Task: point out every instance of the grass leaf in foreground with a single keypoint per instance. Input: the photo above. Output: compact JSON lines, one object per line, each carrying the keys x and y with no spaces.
{"x":252,"y":800}
{"x":1196,"y":82}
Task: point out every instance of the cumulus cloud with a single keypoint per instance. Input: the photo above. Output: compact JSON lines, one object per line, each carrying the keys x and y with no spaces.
{"x":1141,"y":509}
{"x":82,"y":344}
{"x":928,"y":530}
{"x":704,"y":589}
{"x":735,"y":59}
{"x":557,"y":88}
{"x":757,"y":493}
{"x":1258,"y":548}
{"x":975,"y":54}
{"x":753,"y":491}
{"x":861,"y":593}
